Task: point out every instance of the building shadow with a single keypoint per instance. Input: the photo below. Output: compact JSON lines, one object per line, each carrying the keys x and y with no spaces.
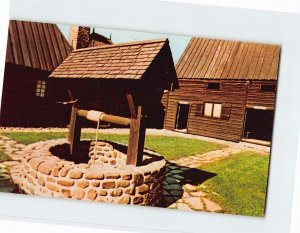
{"x":176,"y":177}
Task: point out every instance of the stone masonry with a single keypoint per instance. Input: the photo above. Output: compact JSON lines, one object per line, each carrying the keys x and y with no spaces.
{"x":104,"y":178}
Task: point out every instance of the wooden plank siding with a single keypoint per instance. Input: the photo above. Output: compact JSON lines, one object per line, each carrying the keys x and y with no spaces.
{"x":256,"y":97}
{"x":241,"y":68}
{"x":194,"y":92}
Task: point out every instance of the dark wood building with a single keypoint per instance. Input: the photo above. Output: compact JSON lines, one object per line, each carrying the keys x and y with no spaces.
{"x":226,"y":90}
{"x":34,"y":50}
{"x":100,"y":78}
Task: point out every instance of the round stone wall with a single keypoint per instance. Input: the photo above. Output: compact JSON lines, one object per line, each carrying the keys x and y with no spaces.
{"x":98,"y":174}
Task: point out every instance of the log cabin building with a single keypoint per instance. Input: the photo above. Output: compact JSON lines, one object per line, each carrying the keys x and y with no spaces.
{"x":34,"y":50}
{"x":226,"y":90}
{"x":101,"y":78}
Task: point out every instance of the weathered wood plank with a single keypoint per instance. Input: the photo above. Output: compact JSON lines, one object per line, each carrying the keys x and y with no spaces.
{"x":136,"y":139}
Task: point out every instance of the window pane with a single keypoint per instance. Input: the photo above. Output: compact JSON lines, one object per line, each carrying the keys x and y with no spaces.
{"x":213,"y":86}
{"x":42,"y":95}
{"x":268,"y":88}
{"x":208,"y":109}
{"x":217,"y":110}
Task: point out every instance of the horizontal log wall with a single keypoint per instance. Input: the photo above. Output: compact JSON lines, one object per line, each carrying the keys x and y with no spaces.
{"x":233,"y":93}
{"x":256,"y":97}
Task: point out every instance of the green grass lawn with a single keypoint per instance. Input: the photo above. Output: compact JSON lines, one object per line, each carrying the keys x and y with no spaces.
{"x":3,"y":157}
{"x":169,"y":147}
{"x":240,"y":183}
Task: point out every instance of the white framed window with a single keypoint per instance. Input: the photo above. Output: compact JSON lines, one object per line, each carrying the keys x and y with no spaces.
{"x":212,"y":110}
{"x":40,"y":88}
{"x":208,"y":108}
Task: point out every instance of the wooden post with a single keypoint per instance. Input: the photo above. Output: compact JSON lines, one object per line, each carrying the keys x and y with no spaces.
{"x":137,"y":134}
{"x":75,"y":127}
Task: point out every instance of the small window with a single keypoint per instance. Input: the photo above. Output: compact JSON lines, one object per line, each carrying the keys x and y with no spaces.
{"x":268,"y":88}
{"x":40,"y":88}
{"x":208,"y":109}
{"x":213,"y":86}
{"x":212,"y":110}
{"x":217,"y":110}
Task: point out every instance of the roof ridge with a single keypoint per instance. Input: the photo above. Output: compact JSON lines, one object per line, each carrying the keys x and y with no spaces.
{"x":241,"y":41}
{"x":123,"y":44}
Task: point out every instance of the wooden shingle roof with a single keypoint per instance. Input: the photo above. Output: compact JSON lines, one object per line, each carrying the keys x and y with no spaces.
{"x":222,"y":59}
{"x":37,"y":45}
{"x":117,"y":61}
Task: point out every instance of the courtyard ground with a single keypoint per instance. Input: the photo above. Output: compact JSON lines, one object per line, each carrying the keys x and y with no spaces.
{"x":202,"y":174}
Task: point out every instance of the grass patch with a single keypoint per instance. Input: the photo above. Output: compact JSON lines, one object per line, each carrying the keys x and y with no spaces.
{"x":169,"y":147}
{"x":3,"y":157}
{"x":241,"y":183}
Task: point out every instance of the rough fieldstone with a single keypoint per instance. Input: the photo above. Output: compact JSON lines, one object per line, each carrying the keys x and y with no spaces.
{"x":55,"y":171}
{"x":41,"y":181}
{"x":52,"y":187}
{"x":198,"y":194}
{"x":94,"y":172}
{"x":124,"y":200}
{"x":114,"y":154}
{"x":127,"y":177}
{"x":148,"y":179}
{"x":194,"y":202}
{"x":108,"y":185}
{"x":35,"y":162}
{"x":96,"y":183}
{"x":66,"y":182}
{"x":116,"y":193}
{"x":190,"y":188}
{"x":138,"y":179}
{"x":183,"y":206}
{"x":142,"y":189}
{"x":104,"y":160}
{"x":102,"y":192}
{"x":92,"y":194}
{"x":75,"y":174}
{"x":66,"y":193}
{"x":138,"y":200}
{"x":123,"y":184}
{"x":50,"y":179}
{"x":30,"y":179}
{"x":46,"y":167}
{"x":112,"y":175}
{"x":211,"y":206}
{"x":113,"y":162}
{"x":77,"y":193}
{"x":33,"y":173}
{"x":82,"y":184}
{"x":129,"y":191}
{"x":64,"y":171}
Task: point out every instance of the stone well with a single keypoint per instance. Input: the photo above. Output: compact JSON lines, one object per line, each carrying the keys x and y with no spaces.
{"x":101,"y":174}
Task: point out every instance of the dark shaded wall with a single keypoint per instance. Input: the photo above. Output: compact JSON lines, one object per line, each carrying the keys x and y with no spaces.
{"x":21,"y":107}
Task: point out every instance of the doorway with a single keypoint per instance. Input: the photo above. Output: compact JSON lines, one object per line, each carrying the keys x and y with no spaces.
{"x":259,"y":124}
{"x":182,"y":116}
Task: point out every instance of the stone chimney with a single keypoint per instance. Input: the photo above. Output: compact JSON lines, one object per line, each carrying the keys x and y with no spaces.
{"x":79,"y":37}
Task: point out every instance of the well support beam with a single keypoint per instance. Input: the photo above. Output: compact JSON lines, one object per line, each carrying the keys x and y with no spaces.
{"x":137,"y":133}
{"x":75,"y":127}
